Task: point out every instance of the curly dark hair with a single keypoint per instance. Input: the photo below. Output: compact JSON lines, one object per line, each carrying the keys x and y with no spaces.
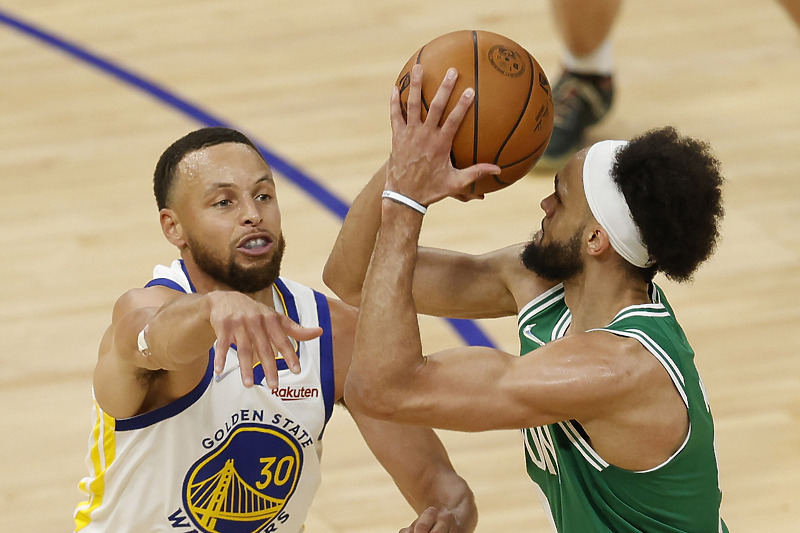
{"x":164,"y":174}
{"x":673,"y":187}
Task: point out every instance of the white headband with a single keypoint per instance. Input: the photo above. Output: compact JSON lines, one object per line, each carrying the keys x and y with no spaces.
{"x":608,"y":205}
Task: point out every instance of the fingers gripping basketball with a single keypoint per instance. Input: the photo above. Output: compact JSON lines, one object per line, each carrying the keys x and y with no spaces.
{"x":511,"y":119}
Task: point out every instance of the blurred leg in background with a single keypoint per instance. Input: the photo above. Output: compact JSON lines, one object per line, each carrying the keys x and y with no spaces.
{"x":583,"y":93}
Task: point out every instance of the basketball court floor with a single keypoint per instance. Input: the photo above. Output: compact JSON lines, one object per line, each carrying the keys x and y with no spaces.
{"x":92,"y":91}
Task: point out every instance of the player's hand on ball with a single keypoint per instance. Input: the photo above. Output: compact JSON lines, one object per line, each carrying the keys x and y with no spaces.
{"x":420,"y":166}
{"x":510,"y":119}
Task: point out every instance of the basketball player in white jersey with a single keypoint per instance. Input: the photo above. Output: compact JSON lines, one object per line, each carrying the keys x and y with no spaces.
{"x":215,"y":381}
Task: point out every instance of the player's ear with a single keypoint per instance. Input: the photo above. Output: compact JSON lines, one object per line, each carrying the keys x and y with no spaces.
{"x":597,"y":241}
{"x":172,"y":228}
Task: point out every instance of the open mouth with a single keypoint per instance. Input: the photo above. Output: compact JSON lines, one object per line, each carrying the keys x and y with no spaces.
{"x":256,"y":244}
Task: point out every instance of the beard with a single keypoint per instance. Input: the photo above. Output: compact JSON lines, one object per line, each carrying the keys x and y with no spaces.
{"x":239,"y":278}
{"x":555,"y":261}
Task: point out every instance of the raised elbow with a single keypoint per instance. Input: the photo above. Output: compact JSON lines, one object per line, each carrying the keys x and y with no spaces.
{"x":337,"y":281}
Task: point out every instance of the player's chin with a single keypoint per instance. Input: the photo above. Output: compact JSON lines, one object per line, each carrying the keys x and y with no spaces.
{"x":250,"y":265}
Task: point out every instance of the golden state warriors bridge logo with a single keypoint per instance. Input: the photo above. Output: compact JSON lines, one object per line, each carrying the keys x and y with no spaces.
{"x":242,"y":486}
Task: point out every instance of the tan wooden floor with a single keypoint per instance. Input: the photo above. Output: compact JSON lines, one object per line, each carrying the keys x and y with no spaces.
{"x":311,"y":80}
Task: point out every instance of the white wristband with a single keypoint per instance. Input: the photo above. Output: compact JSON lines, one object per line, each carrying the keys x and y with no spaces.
{"x":405,"y":200}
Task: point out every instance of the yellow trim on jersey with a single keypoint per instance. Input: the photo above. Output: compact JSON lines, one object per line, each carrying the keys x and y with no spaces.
{"x":101,"y":455}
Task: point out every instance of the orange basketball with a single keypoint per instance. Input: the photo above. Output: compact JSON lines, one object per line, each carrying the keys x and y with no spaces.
{"x":511,"y":119}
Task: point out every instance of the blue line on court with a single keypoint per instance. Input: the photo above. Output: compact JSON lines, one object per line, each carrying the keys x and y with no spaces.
{"x":467,"y":329}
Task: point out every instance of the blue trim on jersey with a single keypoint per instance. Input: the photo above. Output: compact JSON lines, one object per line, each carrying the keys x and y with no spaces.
{"x":171,"y":409}
{"x":258,"y":374}
{"x":164,"y":282}
{"x":258,"y":370}
{"x":186,"y":273}
{"x":171,"y":284}
{"x":291,"y":311}
{"x":288,"y":300}
{"x":327,"y":379}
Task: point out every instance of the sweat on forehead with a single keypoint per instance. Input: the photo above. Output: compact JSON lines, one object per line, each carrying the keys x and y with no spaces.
{"x":192,"y":162}
{"x":226,"y":163}
{"x":168,"y":164}
{"x":189,"y":170}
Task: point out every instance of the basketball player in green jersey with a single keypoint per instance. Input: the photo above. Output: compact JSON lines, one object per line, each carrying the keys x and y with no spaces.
{"x":616,"y":428}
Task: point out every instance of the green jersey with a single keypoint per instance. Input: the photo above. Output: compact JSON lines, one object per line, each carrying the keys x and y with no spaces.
{"x":583,"y":493}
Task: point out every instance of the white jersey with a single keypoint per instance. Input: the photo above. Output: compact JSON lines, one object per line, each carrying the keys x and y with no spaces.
{"x":223,"y":458}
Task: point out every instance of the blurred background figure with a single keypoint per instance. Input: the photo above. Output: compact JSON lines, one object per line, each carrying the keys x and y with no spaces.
{"x":584,"y":91}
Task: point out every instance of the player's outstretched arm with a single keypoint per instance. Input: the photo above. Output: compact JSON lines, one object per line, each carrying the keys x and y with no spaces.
{"x":158,"y":329}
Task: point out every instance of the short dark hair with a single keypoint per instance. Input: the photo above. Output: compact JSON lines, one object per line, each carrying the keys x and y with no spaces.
{"x":673,"y":186}
{"x":164,"y":175}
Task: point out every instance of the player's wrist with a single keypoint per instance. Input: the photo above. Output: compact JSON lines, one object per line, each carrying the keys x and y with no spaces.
{"x":404,"y":200}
